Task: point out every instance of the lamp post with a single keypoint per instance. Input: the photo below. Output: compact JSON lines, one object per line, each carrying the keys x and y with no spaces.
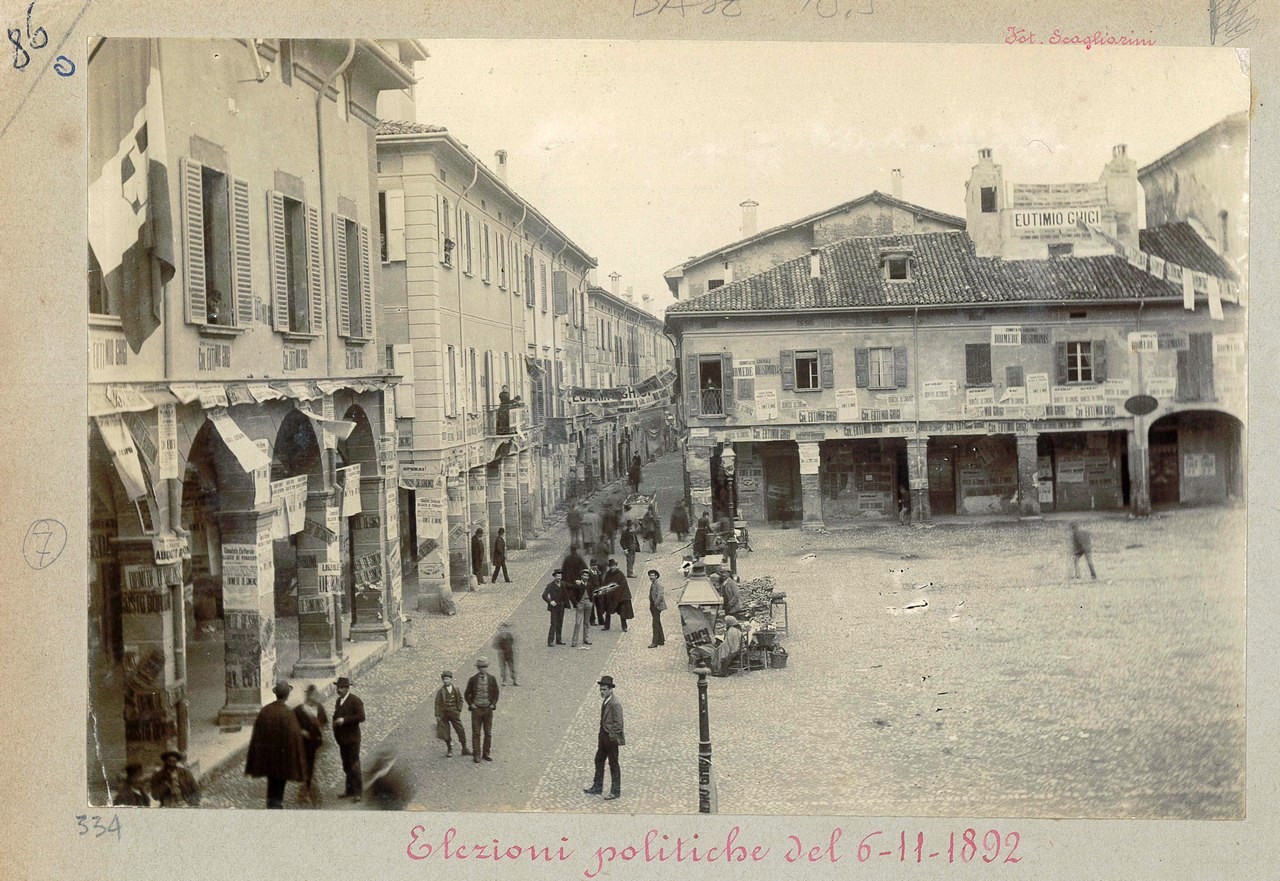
{"x":728,"y":463}
{"x":706,"y":800}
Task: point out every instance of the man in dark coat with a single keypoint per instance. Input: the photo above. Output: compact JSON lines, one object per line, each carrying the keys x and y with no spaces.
{"x":617,"y":596}
{"x":630,"y":546}
{"x":276,"y":750}
{"x":482,"y":699}
{"x":348,"y":714}
{"x":173,"y":785}
{"x":500,"y":555}
{"x":650,"y":530}
{"x":611,"y":736}
{"x":557,"y":600}
{"x":573,"y":566}
{"x":574,"y":521}
{"x":132,"y":791}
{"x":633,"y":473}
{"x":449,"y":713}
{"x":477,"y":554}
{"x":312,"y":720}
{"x":679,"y":521}
{"x":702,"y":537}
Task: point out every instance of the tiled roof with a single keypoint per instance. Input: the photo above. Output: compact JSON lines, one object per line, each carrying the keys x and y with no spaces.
{"x":944,"y":271}
{"x":873,"y":196}
{"x":399,"y":127}
{"x":1180,"y":243}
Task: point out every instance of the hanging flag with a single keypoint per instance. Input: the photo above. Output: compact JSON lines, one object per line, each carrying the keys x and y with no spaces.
{"x":1215,"y":299}
{"x":1188,"y":291}
{"x":129,"y":215}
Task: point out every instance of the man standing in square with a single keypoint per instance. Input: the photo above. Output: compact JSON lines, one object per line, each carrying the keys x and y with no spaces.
{"x":557,"y":600}
{"x":348,"y":714}
{"x":449,"y":713}
{"x":482,"y":699}
{"x":609,"y":739}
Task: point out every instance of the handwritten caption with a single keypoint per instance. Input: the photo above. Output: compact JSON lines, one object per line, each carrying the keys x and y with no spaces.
{"x":1026,"y":37}
{"x":92,"y":825}
{"x":970,"y":845}
{"x":826,"y":9}
{"x":36,"y":39}
{"x":44,"y":543}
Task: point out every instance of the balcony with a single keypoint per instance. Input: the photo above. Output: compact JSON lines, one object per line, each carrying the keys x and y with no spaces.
{"x":712,"y":402}
{"x":504,"y":421}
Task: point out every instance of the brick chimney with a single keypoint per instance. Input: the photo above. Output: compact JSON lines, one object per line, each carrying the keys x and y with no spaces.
{"x":748,"y":217}
{"x":895,"y":183}
{"x":500,"y":164}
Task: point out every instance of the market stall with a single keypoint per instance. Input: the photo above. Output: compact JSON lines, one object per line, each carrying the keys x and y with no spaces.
{"x":764,"y":617}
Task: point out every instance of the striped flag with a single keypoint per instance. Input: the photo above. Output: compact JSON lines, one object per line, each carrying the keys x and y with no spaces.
{"x":129,"y":217}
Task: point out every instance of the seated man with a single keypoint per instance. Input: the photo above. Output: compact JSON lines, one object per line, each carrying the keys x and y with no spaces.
{"x":725,"y":654}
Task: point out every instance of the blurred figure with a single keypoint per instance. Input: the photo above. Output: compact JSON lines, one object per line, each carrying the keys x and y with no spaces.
{"x":630,"y":546}
{"x":573,"y":566}
{"x":132,"y":790}
{"x":679,"y":521}
{"x":633,"y":474}
{"x":276,"y":747}
{"x":312,"y":720}
{"x":174,"y":786}
{"x":1081,"y":546}
{"x":505,"y":643}
{"x":390,"y":788}
{"x":574,"y":521}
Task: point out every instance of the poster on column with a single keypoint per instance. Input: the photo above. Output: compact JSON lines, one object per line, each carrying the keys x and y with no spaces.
{"x":333,"y":522}
{"x":350,"y":480}
{"x":167,"y":452}
{"x":392,"y":520}
{"x":766,"y":404}
{"x":240,"y":576}
{"x":262,"y":476}
{"x":326,"y":410}
{"x":809,"y":458}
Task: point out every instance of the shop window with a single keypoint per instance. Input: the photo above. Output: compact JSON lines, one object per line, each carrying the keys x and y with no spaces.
{"x":977,"y":364}
{"x":988,"y":200}
{"x":1080,"y":361}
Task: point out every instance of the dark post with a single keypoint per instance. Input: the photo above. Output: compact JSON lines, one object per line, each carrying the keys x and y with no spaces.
{"x":705,"y":801}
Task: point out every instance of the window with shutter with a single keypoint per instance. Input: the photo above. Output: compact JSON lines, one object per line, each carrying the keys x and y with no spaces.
{"x":297,"y":294}
{"x":315,"y":270}
{"x":806,"y":370}
{"x":977,"y":364}
{"x":366,"y":283}
{"x":340,"y":262}
{"x":693,"y":399}
{"x":395,"y":226}
{"x":241,"y":252}
{"x":1099,"y":353}
{"x":1079,"y":361}
{"x":827,"y":368}
{"x":484,"y":251}
{"x":787,"y":367}
{"x":542,"y":279}
{"x":1059,"y":363}
{"x":468,"y":266}
{"x":277,"y":223}
{"x":444,"y":224}
{"x":862,"y":368}
{"x":726,"y":381}
{"x":1013,"y":376}
{"x":899,"y":366}
{"x":193,"y":227}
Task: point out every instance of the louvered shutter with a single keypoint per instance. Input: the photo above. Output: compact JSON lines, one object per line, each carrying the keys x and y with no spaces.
{"x":726,"y":381}
{"x":1186,"y":389}
{"x":560,"y":284}
{"x":315,"y":270}
{"x":193,"y":225}
{"x":241,"y":258}
{"x":1060,"y":363}
{"x":692,"y":394}
{"x":900,"y":366}
{"x":977,"y":364}
{"x":279,"y":262}
{"x":862,"y":368}
{"x":395,"y":225}
{"x":366,"y":283}
{"x":1099,"y":360}
{"x":787,"y":366}
{"x":340,"y":261}
{"x":1013,"y":376}
{"x":1200,"y":347}
{"x":826,"y":368}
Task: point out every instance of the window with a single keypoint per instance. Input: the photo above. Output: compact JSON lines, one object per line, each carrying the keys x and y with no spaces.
{"x":880,"y":368}
{"x":1079,"y":362}
{"x":897,"y":267}
{"x":529,"y":293}
{"x":1195,"y":369}
{"x":988,"y":200}
{"x":215,"y":247}
{"x":444,"y":223}
{"x":1063,"y":250}
{"x":977,"y":364}
{"x":1013,"y":376}
{"x":714,"y":283}
{"x":391,"y":225}
{"x":295,"y":245}
{"x":451,"y":393}
{"x":807,"y":370}
{"x":502,"y":261}
{"x":355,"y":294}
{"x":465,"y":231}
{"x":297,"y":296}
{"x":709,"y":371}
{"x":488,"y":379}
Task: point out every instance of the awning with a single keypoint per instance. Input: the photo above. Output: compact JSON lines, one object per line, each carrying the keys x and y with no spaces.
{"x":124,"y":453}
{"x":245,"y":450}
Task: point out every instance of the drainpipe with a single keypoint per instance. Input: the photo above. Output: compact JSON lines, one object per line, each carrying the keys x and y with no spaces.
{"x":916,"y":512}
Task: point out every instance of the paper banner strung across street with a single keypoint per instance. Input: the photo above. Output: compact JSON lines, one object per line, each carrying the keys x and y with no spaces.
{"x":1178,"y":276}
{"x":245,"y":451}
{"x":349,"y":479}
{"x":263,"y":392}
{"x":213,"y":395}
{"x":329,"y":427}
{"x":185,"y":392}
{"x":302,"y":391}
{"x":128,"y":398}
{"x":124,"y":454}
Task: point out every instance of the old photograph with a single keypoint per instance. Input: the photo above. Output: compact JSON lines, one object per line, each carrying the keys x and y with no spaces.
{"x":590,"y":426}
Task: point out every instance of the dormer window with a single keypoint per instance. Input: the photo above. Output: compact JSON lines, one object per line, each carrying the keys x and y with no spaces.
{"x":896,"y":265}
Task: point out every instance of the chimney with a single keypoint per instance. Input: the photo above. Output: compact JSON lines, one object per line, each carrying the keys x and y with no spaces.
{"x":748,"y":217}
{"x":895,"y":183}
{"x":1119,"y":151}
{"x":815,"y":263}
{"x":614,"y":277}
{"x":984,"y":155}
{"x":631,"y":294}
{"x":500,"y":162}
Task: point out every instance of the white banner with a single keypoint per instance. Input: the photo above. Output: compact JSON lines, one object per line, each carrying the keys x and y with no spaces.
{"x":1006,"y":336}
{"x":246,"y":453}
{"x":167,"y":445}
{"x":349,"y":477}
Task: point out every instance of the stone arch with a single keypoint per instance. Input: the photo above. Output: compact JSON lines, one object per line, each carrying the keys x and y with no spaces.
{"x":1196,"y":457}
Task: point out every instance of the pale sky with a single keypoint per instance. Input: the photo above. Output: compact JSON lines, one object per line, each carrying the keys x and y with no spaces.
{"x":642,"y":151}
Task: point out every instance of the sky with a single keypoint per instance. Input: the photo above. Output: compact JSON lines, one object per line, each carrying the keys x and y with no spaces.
{"x":642,"y":151}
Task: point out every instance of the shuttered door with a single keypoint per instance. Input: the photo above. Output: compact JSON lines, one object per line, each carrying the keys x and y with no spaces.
{"x":900,"y":366}
{"x":787,"y":366}
{"x":692,"y":394}
{"x":279,"y":262}
{"x":366,"y":284}
{"x":726,"y":381}
{"x":340,"y":262}
{"x":193,"y":227}
{"x":315,"y":270}
{"x":977,"y":364}
{"x":826,"y":368}
{"x":241,"y":257}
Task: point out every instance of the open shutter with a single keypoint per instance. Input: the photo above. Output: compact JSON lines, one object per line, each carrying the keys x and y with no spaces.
{"x":1186,"y":389}
{"x":279,"y":262}
{"x":787,"y":366}
{"x":826,"y":368}
{"x":862,"y":368}
{"x":1060,"y":363}
{"x":692,"y":394}
{"x":1200,"y":347}
{"x":1099,"y":360}
{"x":900,"y":366}
{"x":1013,"y":376}
{"x":366,"y":284}
{"x":395,"y":225}
{"x":241,"y":262}
{"x":560,"y":284}
{"x":193,"y":226}
{"x":340,"y":261}
{"x":726,"y":381}
{"x":315,"y":270}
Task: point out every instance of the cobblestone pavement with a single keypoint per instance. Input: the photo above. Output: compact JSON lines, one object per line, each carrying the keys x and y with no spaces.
{"x":1016,"y":692}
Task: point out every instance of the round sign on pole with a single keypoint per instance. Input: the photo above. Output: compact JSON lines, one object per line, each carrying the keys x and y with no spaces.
{"x":1141,"y":405}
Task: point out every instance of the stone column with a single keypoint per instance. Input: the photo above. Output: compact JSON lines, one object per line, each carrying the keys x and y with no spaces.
{"x":811,"y":485}
{"x":368,"y":562}
{"x":511,"y":502}
{"x":151,"y":617}
{"x":524,"y":485}
{"x":495,"y":502}
{"x":460,"y":579}
{"x":1028,"y":488}
{"x":249,"y":613}
{"x":434,"y":590}
{"x":918,"y":478}
{"x":319,"y":580}
{"x":478,"y":514}
{"x":1139,"y":469}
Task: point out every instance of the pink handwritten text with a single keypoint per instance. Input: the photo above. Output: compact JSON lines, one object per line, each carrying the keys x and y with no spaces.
{"x":1025,"y":37}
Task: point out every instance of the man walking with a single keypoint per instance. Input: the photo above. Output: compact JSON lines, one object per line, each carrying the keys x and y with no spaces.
{"x":609,"y":739}
{"x":657,"y":605}
{"x":477,"y":554}
{"x":633,"y":474}
{"x":449,"y":714}
{"x":1081,"y":546}
{"x":482,"y":699}
{"x":574,"y":521}
{"x":276,"y":750}
{"x":500,"y":555}
{"x":556,"y":599}
{"x":348,"y":715}
{"x":579,"y":595}
{"x":505,"y":643}
{"x":631,"y":546}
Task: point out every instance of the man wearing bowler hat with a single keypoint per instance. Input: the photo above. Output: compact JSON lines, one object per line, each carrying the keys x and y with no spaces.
{"x":482,"y":699}
{"x":348,"y":713}
{"x":610,"y":738}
